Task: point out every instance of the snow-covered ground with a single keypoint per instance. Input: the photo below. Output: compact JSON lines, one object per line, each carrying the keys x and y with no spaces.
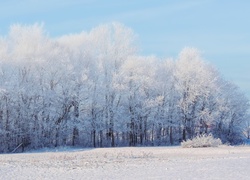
{"x":129,"y":163}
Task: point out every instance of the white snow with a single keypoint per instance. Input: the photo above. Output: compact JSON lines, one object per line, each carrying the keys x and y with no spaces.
{"x":224,"y":162}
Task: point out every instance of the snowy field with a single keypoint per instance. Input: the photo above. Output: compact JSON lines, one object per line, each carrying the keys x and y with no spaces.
{"x":129,"y":163}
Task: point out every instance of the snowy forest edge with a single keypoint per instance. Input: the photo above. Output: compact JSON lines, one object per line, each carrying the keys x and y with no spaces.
{"x":93,"y":89}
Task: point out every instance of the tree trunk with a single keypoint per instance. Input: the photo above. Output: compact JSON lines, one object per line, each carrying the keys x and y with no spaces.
{"x":171,"y":135}
{"x":184,"y":134}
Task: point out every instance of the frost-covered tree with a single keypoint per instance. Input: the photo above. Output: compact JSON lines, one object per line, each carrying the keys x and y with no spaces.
{"x":247,"y":127}
{"x":138,"y":85}
{"x":195,"y":82}
{"x":166,"y":111}
{"x":232,"y":106}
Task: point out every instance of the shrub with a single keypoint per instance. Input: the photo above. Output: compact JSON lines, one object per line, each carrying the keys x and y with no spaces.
{"x":203,"y":140}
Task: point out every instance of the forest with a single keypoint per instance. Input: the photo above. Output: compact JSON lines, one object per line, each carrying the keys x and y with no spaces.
{"x":94,"y":89}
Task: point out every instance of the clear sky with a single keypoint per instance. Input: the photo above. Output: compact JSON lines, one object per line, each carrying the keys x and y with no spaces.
{"x":218,"y":28}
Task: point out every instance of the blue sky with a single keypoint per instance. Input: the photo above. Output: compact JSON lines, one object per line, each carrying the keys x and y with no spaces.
{"x":219,"y":29}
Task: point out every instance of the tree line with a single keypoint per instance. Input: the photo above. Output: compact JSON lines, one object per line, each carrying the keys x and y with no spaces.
{"x":93,"y":89}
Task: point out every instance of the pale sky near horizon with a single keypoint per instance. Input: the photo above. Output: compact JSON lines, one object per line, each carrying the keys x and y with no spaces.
{"x":219,"y":29}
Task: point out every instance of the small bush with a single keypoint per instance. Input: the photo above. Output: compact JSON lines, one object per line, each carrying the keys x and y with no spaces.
{"x":203,"y":140}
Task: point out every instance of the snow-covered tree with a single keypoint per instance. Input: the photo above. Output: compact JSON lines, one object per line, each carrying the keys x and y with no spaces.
{"x":195,"y":83}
